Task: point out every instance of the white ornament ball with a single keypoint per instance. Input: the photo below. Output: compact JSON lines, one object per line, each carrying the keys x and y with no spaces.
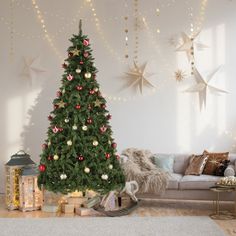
{"x":55,"y":157}
{"x":49,"y":143}
{"x":104,"y":177}
{"x":95,"y":143}
{"x":67,"y":120}
{"x":74,"y":127}
{"x":84,"y":127}
{"x":86,"y":170}
{"x":63,"y":176}
{"x":110,"y":166}
{"x":95,"y":89}
{"x":109,"y":142}
{"x":87,"y":75}
{"x":69,"y":142}
{"x":78,"y":70}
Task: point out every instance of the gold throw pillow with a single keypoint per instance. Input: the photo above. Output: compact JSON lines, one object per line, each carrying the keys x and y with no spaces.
{"x":196,"y":164}
{"x":213,"y":161}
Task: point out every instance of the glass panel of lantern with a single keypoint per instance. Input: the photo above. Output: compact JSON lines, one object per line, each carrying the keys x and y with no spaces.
{"x":30,"y":195}
{"x":12,"y":170}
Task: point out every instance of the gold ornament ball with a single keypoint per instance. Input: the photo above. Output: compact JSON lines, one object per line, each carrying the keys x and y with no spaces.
{"x":87,"y":75}
{"x":84,"y":127}
{"x":86,"y":170}
{"x":49,"y":143}
{"x":55,"y":157}
{"x":69,"y":142}
{"x":95,"y":89}
{"x":110,"y":166}
{"x":74,"y":127}
{"x":78,"y":70}
{"x":95,"y":143}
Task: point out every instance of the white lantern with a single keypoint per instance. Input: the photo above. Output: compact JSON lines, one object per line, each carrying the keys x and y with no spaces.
{"x":30,"y":195}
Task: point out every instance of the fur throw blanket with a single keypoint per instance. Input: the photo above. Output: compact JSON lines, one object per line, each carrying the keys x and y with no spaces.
{"x":140,"y":168}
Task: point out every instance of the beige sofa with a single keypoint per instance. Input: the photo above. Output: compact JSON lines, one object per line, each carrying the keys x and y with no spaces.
{"x":191,"y":187}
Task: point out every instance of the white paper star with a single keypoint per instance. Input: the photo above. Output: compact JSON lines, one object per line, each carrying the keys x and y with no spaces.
{"x":140,"y":76}
{"x":188,"y":45}
{"x":32,"y":67}
{"x":202,"y":86}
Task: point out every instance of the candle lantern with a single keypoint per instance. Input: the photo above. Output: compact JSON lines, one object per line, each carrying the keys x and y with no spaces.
{"x":30,"y":195}
{"x":13,"y":170}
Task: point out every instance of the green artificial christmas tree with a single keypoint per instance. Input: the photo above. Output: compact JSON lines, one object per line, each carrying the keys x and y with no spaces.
{"x":79,"y":153}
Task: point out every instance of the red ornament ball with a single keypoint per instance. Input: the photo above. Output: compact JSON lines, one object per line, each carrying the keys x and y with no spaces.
{"x":55,"y":106}
{"x":50,"y":117}
{"x":114,"y":145}
{"x":70,"y":54}
{"x":44,"y":146}
{"x":117,"y":157}
{"x":91,"y":91}
{"x":86,"y":54}
{"x":89,"y":107}
{"x":86,"y":42}
{"x":59,"y":93}
{"x":103,"y":106}
{"x":79,"y":87}
{"x":77,"y":106}
{"x":64,"y":65}
{"x":50,"y":158}
{"x":81,"y":62}
{"x":80,"y":158}
{"x":109,"y":116}
{"x":107,"y":155}
{"x":89,"y":121}
{"x":60,"y":129}
{"x":103,"y":129}
{"x":42,"y":168}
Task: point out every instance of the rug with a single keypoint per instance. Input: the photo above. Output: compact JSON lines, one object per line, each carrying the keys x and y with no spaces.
{"x":101,"y":226}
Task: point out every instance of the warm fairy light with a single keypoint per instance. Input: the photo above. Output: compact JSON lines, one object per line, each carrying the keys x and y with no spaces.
{"x":158,"y":31}
{"x":44,"y":28}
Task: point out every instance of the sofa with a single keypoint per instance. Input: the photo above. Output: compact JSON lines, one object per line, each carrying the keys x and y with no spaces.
{"x":191,"y":187}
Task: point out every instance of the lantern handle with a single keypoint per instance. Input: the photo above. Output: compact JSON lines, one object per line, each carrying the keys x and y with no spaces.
{"x":21,"y":152}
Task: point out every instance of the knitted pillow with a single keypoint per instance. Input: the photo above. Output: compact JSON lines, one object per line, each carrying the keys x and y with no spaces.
{"x":196,"y":164}
{"x":213,"y":161}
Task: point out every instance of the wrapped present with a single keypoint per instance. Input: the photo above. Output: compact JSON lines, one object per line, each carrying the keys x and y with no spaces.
{"x":67,"y":208}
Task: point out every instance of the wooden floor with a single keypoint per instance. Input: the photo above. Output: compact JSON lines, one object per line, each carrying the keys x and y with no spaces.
{"x":147,"y":207}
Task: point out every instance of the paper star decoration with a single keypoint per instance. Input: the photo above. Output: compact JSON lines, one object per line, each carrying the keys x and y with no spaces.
{"x":140,"y":76}
{"x":97,"y":103}
{"x":180,"y":75}
{"x":203,"y":87}
{"x":188,"y":45}
{"x":61,"y":104}
{"x":75,"y":52}
{"x":32,"y":68}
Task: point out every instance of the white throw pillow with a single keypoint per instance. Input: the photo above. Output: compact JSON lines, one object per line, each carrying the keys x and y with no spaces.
{"x":229,"y":171}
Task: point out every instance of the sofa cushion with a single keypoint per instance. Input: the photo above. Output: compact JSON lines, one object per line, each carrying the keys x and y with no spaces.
{"x":164,"y":161}
{"x":196,"y":164}
{"x":213,"y":161}
{"x":198,"y":182}
{"x":174,"y":181}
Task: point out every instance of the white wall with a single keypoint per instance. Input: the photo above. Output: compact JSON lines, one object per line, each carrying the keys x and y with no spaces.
{"x":166,"y":121}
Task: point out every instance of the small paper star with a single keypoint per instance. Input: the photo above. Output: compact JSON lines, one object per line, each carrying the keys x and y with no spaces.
{"x":32,"y":67}
{"x":188,"y":45}
{"x":180,"y":75}
{"x":97,"y":103}
{"x":203,"y":86}
{"x":140,"y":76}
{"x":61,"y":104}
{"x":75,"y":52}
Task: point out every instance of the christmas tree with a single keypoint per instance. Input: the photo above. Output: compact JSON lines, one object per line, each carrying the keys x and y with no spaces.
{"x":79,"y":152}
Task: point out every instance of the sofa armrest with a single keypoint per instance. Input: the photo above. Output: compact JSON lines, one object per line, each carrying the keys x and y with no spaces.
{"x":229,"y":171}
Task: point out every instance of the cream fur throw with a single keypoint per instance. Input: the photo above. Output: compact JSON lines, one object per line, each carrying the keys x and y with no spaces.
{"x":139,"y":167}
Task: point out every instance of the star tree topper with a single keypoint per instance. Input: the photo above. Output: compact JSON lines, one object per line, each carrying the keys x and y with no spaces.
{"x":140,"y":76}
{"x":203,"y":87}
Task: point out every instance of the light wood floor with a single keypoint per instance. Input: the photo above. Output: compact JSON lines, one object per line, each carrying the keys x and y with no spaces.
{"x":147,"y":207}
